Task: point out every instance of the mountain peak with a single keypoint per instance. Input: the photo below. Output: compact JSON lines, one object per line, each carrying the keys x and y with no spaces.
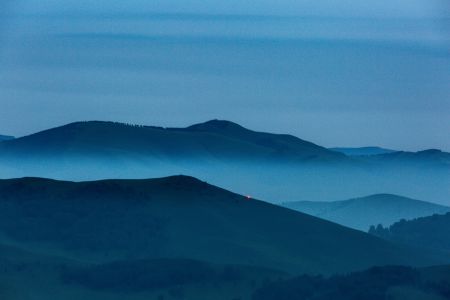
{"x":183,"y":180}
{"x":381,"y":196}
{"x":216,"y":125}
{"x":430,"y":151}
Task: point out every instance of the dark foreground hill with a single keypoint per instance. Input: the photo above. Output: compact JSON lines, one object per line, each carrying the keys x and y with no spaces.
{"x":392,"y":282}
{"x":361,"y":213}
{"x":28,"y":275}
{"x":181,"y":217}
{"x":432,"y":232}
{"x":33,"y":275}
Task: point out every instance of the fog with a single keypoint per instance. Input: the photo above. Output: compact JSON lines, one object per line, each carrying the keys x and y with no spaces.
{"x":272,"y":182}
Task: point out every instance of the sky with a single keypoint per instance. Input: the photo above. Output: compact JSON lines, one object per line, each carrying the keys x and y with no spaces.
{"x":338,"y":73}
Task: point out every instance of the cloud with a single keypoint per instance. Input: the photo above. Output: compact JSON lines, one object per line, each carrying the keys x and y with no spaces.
{"x":379,"y":8}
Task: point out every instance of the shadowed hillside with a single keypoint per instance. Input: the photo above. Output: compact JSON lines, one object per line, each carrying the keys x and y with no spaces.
{"x":181,"y":217}
{"x":47,"y":276}
{"x":432,"y":232}
{"x":392,"y":282}
{"x":34,"y":275}
{"x":361,"y":213}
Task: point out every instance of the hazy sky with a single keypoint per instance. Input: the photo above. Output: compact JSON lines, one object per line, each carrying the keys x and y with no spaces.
{"x":338,"y":73}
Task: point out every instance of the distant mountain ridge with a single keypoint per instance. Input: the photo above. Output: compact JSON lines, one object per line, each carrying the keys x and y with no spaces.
{"x":180,"y":216}
{"x":361,"y":213}
{"x":379,"y":155}
{"x":434,"y":156}
{"x":362,"y":151}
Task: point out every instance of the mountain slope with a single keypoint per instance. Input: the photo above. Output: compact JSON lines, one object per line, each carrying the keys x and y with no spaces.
{"x":181,"y":217}
{"x":361,"y":213}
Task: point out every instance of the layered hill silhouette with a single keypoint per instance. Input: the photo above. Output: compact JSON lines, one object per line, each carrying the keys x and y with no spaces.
{"x":361,"y":213}
{"x":274,"y":167}
{"x":182,"y":217}
{"x":432,"y":232}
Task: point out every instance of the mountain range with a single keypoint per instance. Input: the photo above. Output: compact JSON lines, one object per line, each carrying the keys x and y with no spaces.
{"x":210,"y":140}
{"x":274,"y":167}
{"x":178,"y":237}
{"x":361,"y":213}
{"x":215,"y":139}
